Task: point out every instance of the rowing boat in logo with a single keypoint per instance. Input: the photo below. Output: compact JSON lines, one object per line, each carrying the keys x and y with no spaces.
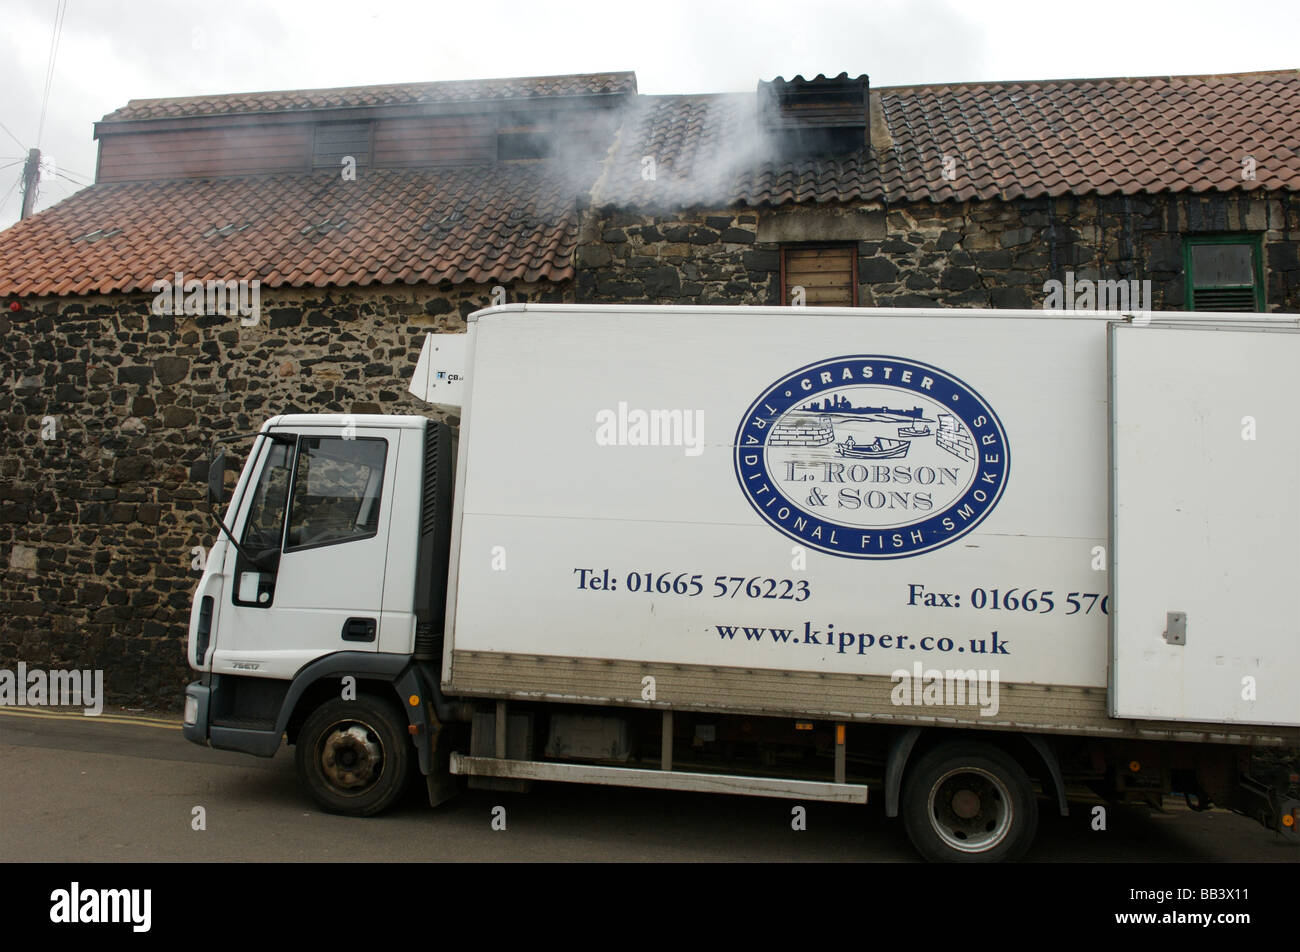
{"x":872,"y":457}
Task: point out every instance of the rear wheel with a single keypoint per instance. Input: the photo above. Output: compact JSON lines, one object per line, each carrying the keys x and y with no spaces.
{"x":969,"y":802}
{"x":353,"y":757}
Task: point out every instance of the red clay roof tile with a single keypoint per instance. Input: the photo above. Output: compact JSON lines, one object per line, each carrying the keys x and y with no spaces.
{"x":165,"y":227}
{"x":1011,"y":140}
{"x":506,"y":223}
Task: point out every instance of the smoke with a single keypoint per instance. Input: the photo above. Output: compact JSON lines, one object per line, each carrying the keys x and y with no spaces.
{"x":678,"y":151}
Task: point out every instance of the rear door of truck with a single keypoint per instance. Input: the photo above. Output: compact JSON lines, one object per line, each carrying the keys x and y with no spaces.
{"x":1205,"y":520}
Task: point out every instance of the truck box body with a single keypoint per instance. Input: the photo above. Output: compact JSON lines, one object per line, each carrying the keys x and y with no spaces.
{"x":822,"y":574}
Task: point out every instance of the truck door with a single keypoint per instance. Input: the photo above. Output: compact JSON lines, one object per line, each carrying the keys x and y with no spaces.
{"x":1205,"y":448}
{"x":314,"y":529}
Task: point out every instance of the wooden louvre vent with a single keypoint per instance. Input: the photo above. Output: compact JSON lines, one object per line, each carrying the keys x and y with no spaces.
{"x":815,"y":117}
{"x":826,"y":273}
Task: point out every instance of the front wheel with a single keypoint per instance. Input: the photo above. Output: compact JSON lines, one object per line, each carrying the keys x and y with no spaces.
{"x":968,"y":802}
{"x":353,"y":757}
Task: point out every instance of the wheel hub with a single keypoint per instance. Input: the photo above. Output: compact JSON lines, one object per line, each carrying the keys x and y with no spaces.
{"x":970,"y":809}
{"x":351,"y":757}
{"x":966,"y":804}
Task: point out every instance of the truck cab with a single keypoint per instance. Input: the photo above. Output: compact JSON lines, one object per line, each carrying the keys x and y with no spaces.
{"x":301,"y":580}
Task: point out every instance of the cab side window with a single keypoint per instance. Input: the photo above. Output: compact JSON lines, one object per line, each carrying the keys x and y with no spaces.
{"x":337,"y":491}
{"x":265,"y":522}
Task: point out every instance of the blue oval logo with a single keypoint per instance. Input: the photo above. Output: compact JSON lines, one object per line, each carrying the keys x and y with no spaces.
{"x":872,"y":457}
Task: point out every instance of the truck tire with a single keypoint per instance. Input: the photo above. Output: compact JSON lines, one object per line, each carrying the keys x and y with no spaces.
{"x":353,"y":757}
{"x":968,"y":802}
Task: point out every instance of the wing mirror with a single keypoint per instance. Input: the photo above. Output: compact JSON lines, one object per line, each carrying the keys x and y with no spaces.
{"x":217,"y":480}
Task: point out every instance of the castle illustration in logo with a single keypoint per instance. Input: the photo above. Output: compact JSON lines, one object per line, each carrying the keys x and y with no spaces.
{"x":871,"y":457}
{"x":798,"y":429}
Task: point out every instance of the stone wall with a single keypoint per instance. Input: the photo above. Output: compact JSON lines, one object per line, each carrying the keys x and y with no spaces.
{"x":972,"y":254}
{"x":98,"y":525}
{"x":698,"y":258}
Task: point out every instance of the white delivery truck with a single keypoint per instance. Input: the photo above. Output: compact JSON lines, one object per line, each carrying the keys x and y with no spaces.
{"x":967,"y":558}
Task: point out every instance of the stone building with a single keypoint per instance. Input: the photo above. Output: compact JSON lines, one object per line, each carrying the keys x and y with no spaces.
{"x":244,"y":255}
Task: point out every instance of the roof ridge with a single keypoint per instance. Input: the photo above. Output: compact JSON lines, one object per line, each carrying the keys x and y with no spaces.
{"x":1251,"y":74}
{"x":374,"y":86}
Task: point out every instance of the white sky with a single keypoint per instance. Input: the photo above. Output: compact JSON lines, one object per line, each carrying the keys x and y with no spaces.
{"x":111,"y":51}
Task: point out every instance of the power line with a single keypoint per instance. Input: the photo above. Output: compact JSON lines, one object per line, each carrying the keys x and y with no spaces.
{"x":57,"y":35}
{"x":10,"y":192}
{"x":8,"y":164}
{"x":12,"y":136}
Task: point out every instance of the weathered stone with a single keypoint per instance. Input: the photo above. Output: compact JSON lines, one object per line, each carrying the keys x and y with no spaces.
{"x":761,"y":260}
{"x":947,"y":240}
{"x":171,"y":370}
{"x":285,"y":317}
{"x":662,"y":282}
{"x":593,"y":256}
{"x":131,"y":469}
{"x":992,"y":260}
{"x":136,"y":375}
{"x":1015,"y":237}
{"x":877,"y":270}
{"x":1283,"y":257}
{"x":22,"y":558}
{"x":958,"y":279}
{"x":1011,"y":298}
{"x":178,"y":417}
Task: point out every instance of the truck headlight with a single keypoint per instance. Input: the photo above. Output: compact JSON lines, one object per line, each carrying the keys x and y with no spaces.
{"x":191,"y":710}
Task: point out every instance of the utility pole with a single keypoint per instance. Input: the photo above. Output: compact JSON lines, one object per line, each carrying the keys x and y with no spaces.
{"x":31,"y":181}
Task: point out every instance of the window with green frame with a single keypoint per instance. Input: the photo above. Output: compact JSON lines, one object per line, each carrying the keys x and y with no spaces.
{"x":1224,"y":273}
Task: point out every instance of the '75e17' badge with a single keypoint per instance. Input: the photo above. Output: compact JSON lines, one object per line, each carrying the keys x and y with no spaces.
{"x":872,"y":457}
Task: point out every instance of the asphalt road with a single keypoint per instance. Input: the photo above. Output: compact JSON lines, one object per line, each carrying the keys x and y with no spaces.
{"x":113,"y":789}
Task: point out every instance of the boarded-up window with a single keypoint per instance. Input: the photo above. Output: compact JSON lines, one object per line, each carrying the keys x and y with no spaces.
{"x":827,"y":274}
{"x":335,"y":140}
